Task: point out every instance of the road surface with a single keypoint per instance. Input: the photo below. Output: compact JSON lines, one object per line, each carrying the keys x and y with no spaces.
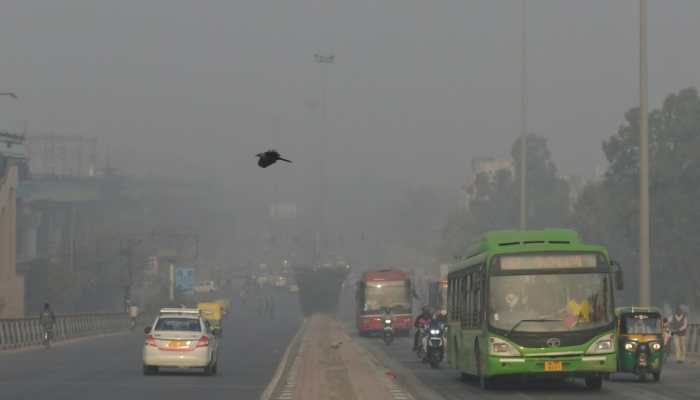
{"x":425,"y":383}
{"x":109,"y":367}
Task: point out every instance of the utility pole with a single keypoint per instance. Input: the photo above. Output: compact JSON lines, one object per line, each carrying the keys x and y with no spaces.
{"x":644,"y":263}
{"x":324,"y":60}
{"x":523,"y":119}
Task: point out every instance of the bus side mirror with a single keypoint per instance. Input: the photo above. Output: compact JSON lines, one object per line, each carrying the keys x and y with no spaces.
{"x":619,"y":279}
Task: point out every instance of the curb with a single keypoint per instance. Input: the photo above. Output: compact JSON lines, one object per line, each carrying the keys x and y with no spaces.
{"x":283,"y":366}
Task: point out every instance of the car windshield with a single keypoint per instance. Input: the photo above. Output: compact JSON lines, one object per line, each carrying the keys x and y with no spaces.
{"x":550,"y":302}
{"x":178,"y":324}
{"x":640,"y":324}
{"x":393,"y":295}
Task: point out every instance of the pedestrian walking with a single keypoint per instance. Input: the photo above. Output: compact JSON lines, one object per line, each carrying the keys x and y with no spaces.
{"x":679,"y":328}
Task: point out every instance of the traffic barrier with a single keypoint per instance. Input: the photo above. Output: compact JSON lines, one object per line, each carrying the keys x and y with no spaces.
{"x":694,"y":338}
{"x":23,"y":332}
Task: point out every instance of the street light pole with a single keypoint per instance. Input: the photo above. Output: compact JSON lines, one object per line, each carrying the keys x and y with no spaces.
{"x":523,"y":120}
{"x":644,"y":263}
{"x":324,"y":60}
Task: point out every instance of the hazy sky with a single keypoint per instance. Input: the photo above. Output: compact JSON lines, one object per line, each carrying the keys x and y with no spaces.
{"x":418,"y":89}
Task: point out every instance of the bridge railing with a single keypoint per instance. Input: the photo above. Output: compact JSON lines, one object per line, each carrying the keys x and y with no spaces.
{"x":694,"y":339}
{"x":23,"y":332}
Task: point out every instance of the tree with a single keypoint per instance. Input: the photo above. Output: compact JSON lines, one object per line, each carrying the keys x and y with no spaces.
{"x":608,"y":211}
{"x":493,"y":199}
{"x":547,"y":193}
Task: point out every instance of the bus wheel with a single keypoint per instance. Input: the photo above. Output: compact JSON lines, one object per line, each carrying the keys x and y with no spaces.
{"x":594,"y":382}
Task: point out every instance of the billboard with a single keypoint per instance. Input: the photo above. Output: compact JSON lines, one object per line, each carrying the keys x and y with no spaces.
{"x":184,"y":279}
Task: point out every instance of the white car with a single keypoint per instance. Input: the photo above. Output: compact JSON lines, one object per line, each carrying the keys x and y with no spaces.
{"x":180,"y":338}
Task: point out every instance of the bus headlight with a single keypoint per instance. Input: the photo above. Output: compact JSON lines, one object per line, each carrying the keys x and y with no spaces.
{"x":499,"y":347}
{"x":602,"y":345}
{"x":655,"y":346}
{"x":631,"y":346}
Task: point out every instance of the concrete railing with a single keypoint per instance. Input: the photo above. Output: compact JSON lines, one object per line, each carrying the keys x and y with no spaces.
{"x":694,"y":338}
{"x":22,"y":332}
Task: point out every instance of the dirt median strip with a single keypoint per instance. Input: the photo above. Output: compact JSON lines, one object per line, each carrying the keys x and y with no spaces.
{"x":329,"y":365}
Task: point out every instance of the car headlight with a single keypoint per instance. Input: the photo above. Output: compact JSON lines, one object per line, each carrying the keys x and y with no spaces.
{"x":434,"y":331}
{"x":602,"y":345}
{"x":631,"y":346}
{"x":655,"y":346}
{"x":500,"y":347}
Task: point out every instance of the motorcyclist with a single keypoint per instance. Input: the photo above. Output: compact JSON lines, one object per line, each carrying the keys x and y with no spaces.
{"x":47,"y":319}
{"x":421,"y":320}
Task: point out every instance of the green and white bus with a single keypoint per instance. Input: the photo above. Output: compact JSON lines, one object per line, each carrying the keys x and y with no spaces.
{"x":533,"y":303}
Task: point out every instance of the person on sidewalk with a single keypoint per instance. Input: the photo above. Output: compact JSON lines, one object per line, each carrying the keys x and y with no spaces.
{"x":679,"y":327}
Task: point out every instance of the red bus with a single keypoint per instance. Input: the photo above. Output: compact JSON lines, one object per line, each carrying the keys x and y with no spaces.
{"x":382,"y":289}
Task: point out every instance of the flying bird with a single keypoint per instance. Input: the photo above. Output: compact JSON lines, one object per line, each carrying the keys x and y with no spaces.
{"x":269,"y":157}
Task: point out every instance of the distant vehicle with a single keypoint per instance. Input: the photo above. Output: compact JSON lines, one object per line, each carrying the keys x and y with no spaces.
{"x":205,"y":287}
{"x":262,"y":280}
{"x":212,"y":313}
{"x":380,"y":290}
{"x":180,"y":338}
{"x":280,"y":281}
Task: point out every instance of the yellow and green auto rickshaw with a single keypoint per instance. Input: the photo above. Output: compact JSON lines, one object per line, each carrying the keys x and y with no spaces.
{"x":640,"y":341}
{"x":212,"y":313}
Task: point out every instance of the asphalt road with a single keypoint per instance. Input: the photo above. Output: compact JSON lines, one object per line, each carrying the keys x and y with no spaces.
{"x":677,"y":382}
{"x":109,"y":367}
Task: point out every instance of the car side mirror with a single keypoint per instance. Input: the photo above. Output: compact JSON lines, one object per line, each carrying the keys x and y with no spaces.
{"x":619,"y":278}
{"x":147,"y":330}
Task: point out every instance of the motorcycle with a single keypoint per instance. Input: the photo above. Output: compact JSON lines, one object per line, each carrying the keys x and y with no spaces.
{"x":46,"y":338}
{"x":388,"y":331}
{"x":434,"y":342}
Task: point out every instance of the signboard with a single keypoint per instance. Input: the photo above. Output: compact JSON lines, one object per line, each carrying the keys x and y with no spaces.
{"x":184,"y":279}
{"x":547,"y":261}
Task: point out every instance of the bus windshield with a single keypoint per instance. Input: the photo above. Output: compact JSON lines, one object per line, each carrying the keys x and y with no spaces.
{"x":550,"y":302}
{"x":394,"y":295}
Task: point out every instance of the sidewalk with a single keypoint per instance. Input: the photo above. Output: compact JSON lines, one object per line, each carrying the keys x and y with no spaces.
{"x":331,"y":366}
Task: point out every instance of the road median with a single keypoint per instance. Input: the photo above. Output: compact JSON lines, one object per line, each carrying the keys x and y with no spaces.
{"x":329,"y":364}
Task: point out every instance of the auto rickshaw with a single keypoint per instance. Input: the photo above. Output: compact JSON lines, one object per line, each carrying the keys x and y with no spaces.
{"x":212,"y":313}
{"x":640,"y":341}
{"x":225,"y":306}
